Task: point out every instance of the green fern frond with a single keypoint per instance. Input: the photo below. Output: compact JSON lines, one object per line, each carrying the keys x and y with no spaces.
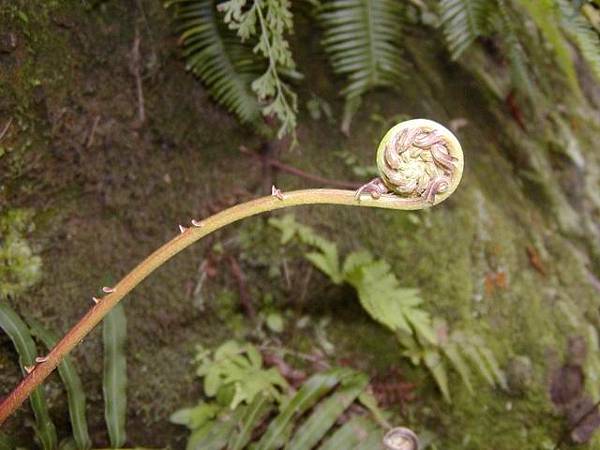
{"x":474,"y":349}
{"x":266,"y":22}
{"x":361,"y":38}
{"x":312,"y":417}
{"x":399,"y":309}
{"x":215,"y":54}
{"x":514,"y":50}
{"x":546,"y":16}
{"x":463,"y":21}
{"x":381,"y":295}
{"x":582,"y":33}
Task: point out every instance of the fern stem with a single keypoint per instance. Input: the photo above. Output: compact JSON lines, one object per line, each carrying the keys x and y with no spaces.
{"x":174,"y":246}
{"x":213,"y":223}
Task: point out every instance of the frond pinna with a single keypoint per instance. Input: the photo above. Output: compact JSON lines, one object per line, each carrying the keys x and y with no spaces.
{"x":463,"y":21}
{"x":216,"y":55}
{"x":362,"y":40}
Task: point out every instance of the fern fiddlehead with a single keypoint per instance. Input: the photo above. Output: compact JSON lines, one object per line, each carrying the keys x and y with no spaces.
{"x":399,"y":199}
{"x":417,"y":159}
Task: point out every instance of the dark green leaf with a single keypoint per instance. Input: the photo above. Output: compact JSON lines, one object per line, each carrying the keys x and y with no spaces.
{"x":72,"y":383}
{"x":362,"y":39}
{"x":464,"y":21}
{"x":217,"y":433}
{"x":254,"y":414}
{"x":17,"y":331}
{"x":114,"y":333}
{"x":328,"y":412}
{"x":309,"y":394}
{"x":6,"y":442}
{"x":216,"y":55}
{"x":351,"y":435}
{"x":67,"y":444}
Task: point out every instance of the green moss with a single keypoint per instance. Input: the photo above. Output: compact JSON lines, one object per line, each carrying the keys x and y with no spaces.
{"x":20,"y":268}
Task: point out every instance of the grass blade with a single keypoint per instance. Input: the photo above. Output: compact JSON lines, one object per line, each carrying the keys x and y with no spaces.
{"x":18,"y":333}
{"x":374,"y":441}
{"x":73,"y":386}
{"x":6,"y":442}
{"x":67,"y":444}
{"x":254,"y":414}
{"x":328,"y":412}
{"x":114,"y":333}
{"x":215,"y":435}
{"x":311,"y":391}
{"x":350,"y":435}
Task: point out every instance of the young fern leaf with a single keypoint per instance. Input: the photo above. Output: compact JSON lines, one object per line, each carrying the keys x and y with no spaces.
{"x":362,"y":40}
{"x":215,"y":54}
{"x":580,"y":31}
{"x":463,"y":21}
{"x":434,"y":363}
{"x":18,"y":333}
{"x":114,"y":334}
{"x":380,"y":294}
{"x":267,"y":21}
{"x":73,"y":386}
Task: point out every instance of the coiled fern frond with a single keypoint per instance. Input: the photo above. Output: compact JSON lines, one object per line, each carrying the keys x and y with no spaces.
{"x":362,"y":39}
{"x":217,"y":56}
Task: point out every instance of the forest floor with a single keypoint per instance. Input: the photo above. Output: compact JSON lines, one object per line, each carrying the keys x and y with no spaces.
{"x":107,"y":188}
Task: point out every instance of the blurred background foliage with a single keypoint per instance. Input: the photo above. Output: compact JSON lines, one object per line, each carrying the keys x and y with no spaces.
{"x":475,"y":323}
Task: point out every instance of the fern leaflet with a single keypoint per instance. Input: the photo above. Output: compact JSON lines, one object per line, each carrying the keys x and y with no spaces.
{"x":361,"y":38}
{"x":463,"y":21}
{"x":398,"y":309}
{"x":215,"y":54}
{"x":586,"y":38}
